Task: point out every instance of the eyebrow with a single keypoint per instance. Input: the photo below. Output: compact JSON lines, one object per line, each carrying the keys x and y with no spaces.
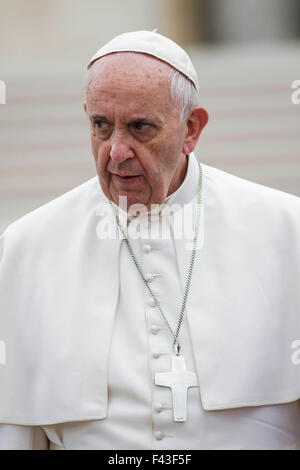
{"x":99,"y":117}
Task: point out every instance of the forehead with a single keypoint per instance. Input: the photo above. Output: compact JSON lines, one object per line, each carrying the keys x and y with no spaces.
{"x":129,"y":72}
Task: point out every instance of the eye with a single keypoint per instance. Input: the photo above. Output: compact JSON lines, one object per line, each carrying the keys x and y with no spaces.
{"x":141,"y":126}
{"x":101,"y":124}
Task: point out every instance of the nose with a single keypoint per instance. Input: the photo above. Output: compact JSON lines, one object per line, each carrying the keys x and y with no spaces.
{"x":120,"y":149}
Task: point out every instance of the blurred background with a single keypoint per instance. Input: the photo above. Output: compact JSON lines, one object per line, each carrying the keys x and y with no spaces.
{"x":246,"y":52}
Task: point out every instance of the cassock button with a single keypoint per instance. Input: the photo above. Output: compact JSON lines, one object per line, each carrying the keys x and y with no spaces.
{"x":156,"y":354}
{"x":158,"y":435}
{"x":147,"y":248}
{"x":158,"y":407}
{"x":154,"y":329}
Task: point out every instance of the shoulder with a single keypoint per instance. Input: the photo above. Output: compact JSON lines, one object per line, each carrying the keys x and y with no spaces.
{"x":246,"y":197}
{"x":59,"y":215}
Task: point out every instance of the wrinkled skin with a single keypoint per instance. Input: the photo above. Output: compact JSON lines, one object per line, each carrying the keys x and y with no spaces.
{"x":136,"y":129}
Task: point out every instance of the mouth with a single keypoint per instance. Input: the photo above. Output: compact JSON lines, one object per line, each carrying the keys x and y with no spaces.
{"x":126,"y":179}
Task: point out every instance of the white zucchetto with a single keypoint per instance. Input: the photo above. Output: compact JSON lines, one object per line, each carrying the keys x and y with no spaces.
{"x":152,"y":43}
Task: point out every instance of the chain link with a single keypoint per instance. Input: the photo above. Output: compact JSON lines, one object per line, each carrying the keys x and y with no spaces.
{"x":176,"y":344}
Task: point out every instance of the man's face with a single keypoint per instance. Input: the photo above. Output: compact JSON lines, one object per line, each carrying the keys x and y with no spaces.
{"x":136,"y":134}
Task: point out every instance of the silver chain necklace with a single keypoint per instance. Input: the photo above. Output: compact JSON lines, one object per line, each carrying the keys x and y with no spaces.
{"x":178,"y":379}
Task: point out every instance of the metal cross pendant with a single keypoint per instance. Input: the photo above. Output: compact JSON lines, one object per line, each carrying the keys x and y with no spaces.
{"x":179,"y":380}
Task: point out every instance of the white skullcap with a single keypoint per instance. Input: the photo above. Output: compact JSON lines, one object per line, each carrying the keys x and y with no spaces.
{"x":152,"y":43}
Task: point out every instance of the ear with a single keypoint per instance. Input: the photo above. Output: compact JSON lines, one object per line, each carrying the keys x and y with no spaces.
{"x":195,"y":122}
{"x":84,"y":107}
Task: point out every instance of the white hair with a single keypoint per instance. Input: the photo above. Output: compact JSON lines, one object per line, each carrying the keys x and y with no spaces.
{"x":183,"y":91}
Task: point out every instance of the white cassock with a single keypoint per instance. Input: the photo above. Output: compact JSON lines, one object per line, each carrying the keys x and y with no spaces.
{"x":83,"y":340}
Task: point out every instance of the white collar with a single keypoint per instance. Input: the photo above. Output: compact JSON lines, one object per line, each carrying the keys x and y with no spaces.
{"x":189,"y":187}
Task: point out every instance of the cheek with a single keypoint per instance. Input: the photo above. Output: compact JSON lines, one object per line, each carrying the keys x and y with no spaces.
{"x":166,"y":160}
{"x":100,"y":153}
{"x":94,"y":144}
{"x":101,"y":157}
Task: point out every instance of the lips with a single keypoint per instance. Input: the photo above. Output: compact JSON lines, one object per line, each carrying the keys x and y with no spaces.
{"x":125,"y":176}
{"x":126,"y":179}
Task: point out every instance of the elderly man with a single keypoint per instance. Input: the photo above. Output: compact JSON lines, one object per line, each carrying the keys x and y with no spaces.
{"x":160,"y":308}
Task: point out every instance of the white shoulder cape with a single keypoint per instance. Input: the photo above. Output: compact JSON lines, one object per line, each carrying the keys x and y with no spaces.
{"x":59,"y":289}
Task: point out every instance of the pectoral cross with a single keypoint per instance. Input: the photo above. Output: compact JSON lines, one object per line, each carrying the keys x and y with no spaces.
{"x":179,"y":380}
